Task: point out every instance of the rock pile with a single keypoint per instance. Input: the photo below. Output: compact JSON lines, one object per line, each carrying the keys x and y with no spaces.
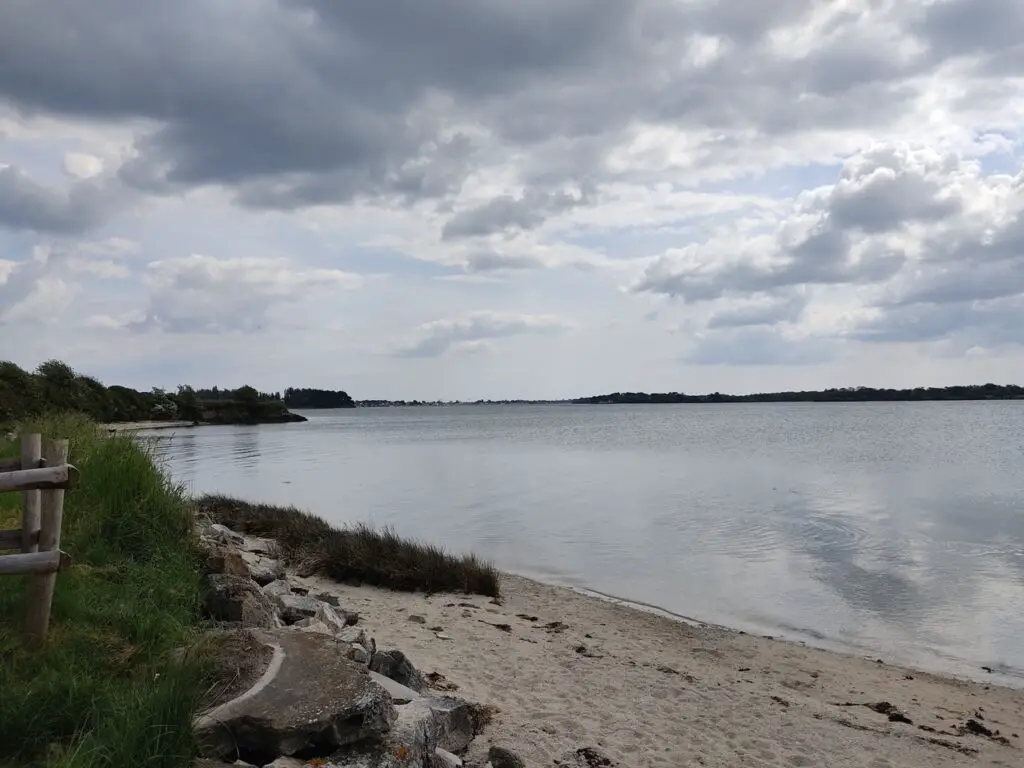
{"x":327,"y":696}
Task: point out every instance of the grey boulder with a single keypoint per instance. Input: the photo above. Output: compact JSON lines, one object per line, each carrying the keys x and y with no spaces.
{"x":294,"y":608}
{"x":237,"y":599}
{"x":454,"y":722}
{"x":277,"y":588}
{"x":412,"y":741}
{"x":358,"y":654}
{"x":500,"y":757}
{"x":224,"y":535}
{"x":396,"y":665}
{"x":264,"y":570}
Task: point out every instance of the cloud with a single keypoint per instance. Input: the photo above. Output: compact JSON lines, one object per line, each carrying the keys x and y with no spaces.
{"x":27,"y":205}
{"x":764,"y":311}
{"x":204,"y":294}
{"x":32,"y":290}
{"x":840,"y":234}
{"x":508,"y":213}
{"x":758,"y":347}
{"x":301,"y":103}
{"x":492,"y":261}
{"x":82,"y":165}
{"x":469,"y":331}
{"x":792,"y":181}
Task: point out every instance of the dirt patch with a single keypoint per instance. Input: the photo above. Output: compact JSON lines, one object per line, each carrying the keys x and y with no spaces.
{"x":237,"y":660}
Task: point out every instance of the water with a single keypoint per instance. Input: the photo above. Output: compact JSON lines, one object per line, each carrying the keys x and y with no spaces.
{"x":890,"y":529}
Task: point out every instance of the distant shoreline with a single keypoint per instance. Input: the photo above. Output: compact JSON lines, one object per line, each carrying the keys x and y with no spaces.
{"x":139,"y":426}
{"x":841,"y":395}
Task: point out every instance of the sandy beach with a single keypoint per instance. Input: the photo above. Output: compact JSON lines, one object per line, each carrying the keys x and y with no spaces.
{"x":568,"y":671}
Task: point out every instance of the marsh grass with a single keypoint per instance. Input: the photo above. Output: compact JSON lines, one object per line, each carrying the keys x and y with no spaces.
{"x":359,"y":554}
{"x":104,"y":690}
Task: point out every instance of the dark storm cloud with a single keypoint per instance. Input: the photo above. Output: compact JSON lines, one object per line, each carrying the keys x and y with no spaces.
{"x":27,"y":205}
{"x":298,"y":102}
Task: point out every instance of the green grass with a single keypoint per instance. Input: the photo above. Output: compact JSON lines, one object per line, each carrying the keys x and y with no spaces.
{"x":358,"y":554}
{"x":103,"y":691}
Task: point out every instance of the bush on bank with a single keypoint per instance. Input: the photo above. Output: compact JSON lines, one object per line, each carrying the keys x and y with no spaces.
{"x":358,"y":554}
{"x":103,"y":690}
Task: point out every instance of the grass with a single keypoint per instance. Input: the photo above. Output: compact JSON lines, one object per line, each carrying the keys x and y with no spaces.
{"x":104,"y":690}
{"x":359,"y":554}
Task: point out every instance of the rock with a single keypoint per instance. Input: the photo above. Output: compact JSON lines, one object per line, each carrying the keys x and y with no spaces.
{"x":263,"y":570}
{"x":500,"y":757}
{"x":313,"y":625}
{"x":328,"y":598}
{"x":353,"y":635}
{"x":310,"y":698}
{"x":287,"y":762}
{"x":445,"y":759}
{"x":221,"y":559}
{"x":260,"y":546}
{"x":277,"y":588}
{"x":417,"y":619}
{"x":236,"y":599}
{"x":358,"y":654}
{"x":399,"y":693}
{"x":413,"y":737}
{"x":224,"y":535}
{"x":411,"y":742}
{"x":295,"y":608}
{"x":588,"y":757}
{"x":454,"y":720}
{"x":329,"y":616}
{"x":395,"y":665}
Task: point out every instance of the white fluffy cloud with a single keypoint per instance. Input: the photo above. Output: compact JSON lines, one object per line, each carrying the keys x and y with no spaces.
{"x":696,"y":188}
{"x":469,"y":332}
{"x":203,"y":294}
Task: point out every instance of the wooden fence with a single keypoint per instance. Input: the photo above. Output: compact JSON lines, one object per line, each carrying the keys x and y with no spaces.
{"x":41,"y":475}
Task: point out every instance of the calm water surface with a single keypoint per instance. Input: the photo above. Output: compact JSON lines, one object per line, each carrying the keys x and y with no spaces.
{"x":889,"y":529}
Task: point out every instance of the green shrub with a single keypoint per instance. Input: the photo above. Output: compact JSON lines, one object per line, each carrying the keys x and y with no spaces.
{"x":103,"y":690}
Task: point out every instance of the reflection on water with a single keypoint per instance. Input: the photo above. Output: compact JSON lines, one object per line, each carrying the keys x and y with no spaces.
{"x":893,"y":529}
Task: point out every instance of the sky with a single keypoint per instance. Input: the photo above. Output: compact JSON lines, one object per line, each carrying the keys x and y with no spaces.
{"x":463,"y":199}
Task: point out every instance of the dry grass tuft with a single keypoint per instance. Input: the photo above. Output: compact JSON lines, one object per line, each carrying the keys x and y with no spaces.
{"x":359,"y":554}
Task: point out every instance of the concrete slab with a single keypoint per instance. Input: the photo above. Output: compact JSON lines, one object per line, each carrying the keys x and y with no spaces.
{"x":310,"y":698}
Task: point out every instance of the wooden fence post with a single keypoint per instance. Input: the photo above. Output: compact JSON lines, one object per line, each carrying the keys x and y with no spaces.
{"x":40,"y":591}
{"x":31,"y":452}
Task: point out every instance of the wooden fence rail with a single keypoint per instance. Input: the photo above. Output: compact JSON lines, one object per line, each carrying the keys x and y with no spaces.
{"x":41,"y":475}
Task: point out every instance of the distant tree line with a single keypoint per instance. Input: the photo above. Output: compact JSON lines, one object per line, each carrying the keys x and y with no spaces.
{"x":317,"y":398}
{"x":837,"y":395}
{"x":54,"y":386}
{"x":214,"y":394}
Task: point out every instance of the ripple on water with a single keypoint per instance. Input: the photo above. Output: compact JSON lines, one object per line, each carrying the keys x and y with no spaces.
{"x":746,"y":537}
{"x":830,"y":531}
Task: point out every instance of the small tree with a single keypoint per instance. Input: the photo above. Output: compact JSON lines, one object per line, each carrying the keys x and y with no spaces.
{"x":247,"y":395}
{"x":188,"y":403}
{"x":164,"y":408}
